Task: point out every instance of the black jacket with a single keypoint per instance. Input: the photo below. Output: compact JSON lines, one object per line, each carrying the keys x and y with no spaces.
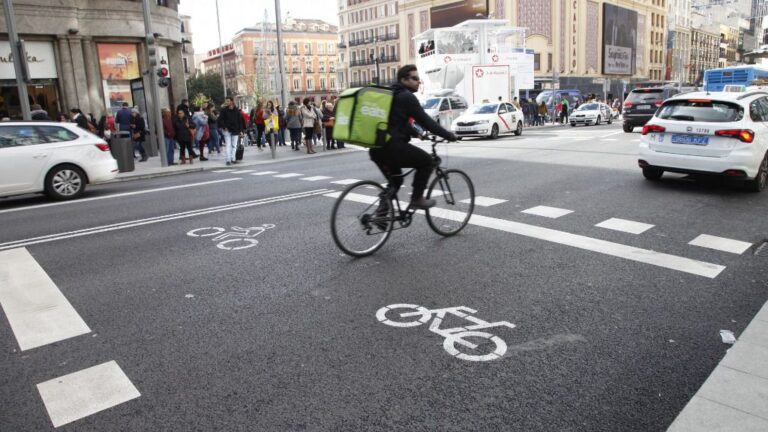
{"x":138,"y":126}
{"x":232,"y":120}
{"x":184,"y":108}
{"x":82,"y":122}
{"x":404,"y":106}
{"x":181,"y":129}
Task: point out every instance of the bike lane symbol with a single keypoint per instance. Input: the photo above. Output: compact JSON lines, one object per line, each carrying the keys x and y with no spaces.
{"x":238,"y":238}
{"x":416,"y":315}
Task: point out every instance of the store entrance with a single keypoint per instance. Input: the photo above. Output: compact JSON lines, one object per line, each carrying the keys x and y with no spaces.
{"x":41,"y":92}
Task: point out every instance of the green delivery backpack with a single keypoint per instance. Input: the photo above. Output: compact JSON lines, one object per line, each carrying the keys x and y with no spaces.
{"x":362,"y":116}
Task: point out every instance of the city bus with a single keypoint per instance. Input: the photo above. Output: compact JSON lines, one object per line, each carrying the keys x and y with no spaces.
{"x":716,"y":79}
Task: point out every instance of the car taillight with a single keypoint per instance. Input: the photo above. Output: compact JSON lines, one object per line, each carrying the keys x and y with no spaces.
{"x":744,"y":135}
{"x":653,"y":128}
{"x":103,"y":147}
{"x":659,"y":102}
{"x":628,"y":104}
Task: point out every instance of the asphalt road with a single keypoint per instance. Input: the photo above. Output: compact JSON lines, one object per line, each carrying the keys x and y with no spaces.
{"x":284,"y":336}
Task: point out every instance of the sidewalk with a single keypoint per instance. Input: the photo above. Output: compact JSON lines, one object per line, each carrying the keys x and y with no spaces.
{"x":251,"y":157}
{"x":735,"y":396}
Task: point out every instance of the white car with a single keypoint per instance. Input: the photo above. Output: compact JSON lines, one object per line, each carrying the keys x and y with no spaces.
{"x":444,"y":109}
{"x":58,"y":159}
{"x":489,"y":119}
{"x":709,"y":133}
{"x":591,"y":113}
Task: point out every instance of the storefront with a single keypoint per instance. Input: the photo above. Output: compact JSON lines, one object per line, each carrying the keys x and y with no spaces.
{"x":43,"y":88}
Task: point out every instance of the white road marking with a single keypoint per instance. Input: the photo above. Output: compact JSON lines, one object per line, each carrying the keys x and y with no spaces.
{"x":345,"y":181}
{"x":37,"y":311}
{"x":612,"y":134}
{"x":157,"y":219}
{"x":120,"y":195}
{"x":241,"y":171}
{"x":264,"y":173}
{"x":624,"y":225}
{"x":86,"y":392}
{"x":609,"y":139}
{"x":721,"y":244}
{"x":289,"y":175}
{"x":483,"y":201}
{"x":223,"y":171}
{"x":548,"y":212}
{"x":672,"y":262}
{"x":315,"y":178}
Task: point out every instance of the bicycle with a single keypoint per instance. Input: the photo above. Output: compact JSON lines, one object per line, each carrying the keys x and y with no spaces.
{"x":360,"y":225}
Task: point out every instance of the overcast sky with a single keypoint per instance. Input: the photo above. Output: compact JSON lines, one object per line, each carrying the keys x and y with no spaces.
{"x":237,"y":14}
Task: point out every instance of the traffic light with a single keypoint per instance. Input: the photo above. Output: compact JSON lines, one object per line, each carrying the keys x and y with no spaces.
{"x":162,"y":74}
{"x":151,"y":50}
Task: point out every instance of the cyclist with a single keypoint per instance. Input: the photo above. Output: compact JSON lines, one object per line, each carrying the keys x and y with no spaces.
{"x":398,"y":153}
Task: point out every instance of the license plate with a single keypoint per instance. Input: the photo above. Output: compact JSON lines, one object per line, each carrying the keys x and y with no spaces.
{"x":690,"y":139}
{"x":643,"y":107}
{"x":464,"y":128}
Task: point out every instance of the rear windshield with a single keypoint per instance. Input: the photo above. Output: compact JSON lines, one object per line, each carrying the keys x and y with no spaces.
{"x":645,"y":95}
{"x":701,"y":111}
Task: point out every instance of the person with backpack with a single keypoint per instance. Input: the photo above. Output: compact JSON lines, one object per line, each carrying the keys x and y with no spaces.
{"x":232,"y":126}
{"x":200,"y":122}
{"x":294,"y":124}
{"x":308,"y":119}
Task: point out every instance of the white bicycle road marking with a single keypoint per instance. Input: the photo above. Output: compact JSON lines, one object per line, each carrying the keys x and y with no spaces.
{"x":453,"y":336}
{"x":238,"y":238}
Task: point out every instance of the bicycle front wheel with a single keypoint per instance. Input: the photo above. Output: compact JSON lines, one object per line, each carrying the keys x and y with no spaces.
{"x":360,"y":224}
{"x":455,"y":196}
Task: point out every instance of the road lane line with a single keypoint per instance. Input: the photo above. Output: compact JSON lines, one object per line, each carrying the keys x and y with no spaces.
{"x":37,"y":311}
{"x":721,"y":243}
{"x":242,"y":171}
{"x":646,"y":256}
{"x":345,"y":181}
{"x":483,"y":201}
{"x":315,"y":178}
{"x":612,"y":134}
{"x":289,"y":175}
{"x":548,"y":212}
{"x":264,"y":173}
{"x":86,"y":392}
{"x":624,"y":225}
{"x":156,"y":219}
{"x":120,"y":195}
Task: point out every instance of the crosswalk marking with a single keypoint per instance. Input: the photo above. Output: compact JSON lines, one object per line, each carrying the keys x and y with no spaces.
{"x":86,"y":392}
{"x":223,"y":170}
{"x":624,"y":225}
{"x":484,"y":201}
{"x":548,"y":212}
{"x":315,"y":178}
{"x":646,"y":256}
{"x":289,"y":175}
{"x":721,"y":243}
{"x":241,"y":171}
{"x":345,"y":181}
{"x":264,"y":173}
{"x":37,"y":311}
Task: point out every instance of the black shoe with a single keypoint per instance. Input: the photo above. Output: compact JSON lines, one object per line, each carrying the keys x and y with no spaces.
{"x":143,"y":159}
{"x":422,"y":203}
{"x":381,"y":212}
{"x":203,"y":158}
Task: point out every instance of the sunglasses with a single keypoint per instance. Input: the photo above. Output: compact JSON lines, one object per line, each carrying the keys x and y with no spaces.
{"x":414,"y":78}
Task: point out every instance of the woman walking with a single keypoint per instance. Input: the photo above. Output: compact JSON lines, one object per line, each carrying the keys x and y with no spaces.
{"x":170,"y":134}
{"x":138,"y":134}
{"x":294,"y":125}
{"x":184,"y":136}
{"x":199,"y":122}
{"x":213,"y":129}
{"x":257,"y":118}
{"x":328,"y":121}
{"x":282,"y":123}
{"x":308,"y":119}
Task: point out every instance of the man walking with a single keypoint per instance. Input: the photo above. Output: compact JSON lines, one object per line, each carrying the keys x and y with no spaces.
{"x":231,"y":126}
{"x":123,"y":118}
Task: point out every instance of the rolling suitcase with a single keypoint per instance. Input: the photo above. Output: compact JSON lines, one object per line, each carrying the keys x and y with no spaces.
{"x":240,"y":149}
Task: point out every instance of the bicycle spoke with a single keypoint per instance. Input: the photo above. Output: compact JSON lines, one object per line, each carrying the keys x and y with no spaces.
{"x":457,"y":195}
{"x":356,"y":228}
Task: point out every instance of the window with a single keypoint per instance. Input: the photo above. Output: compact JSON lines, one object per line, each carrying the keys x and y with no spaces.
{"x":294,"y":49}
{"x":56,"y":134}
{"x":310,"y":84}
{"x":510,"y":107}
{"x":536,"y":61}
{"x":457,"y":103}
{"x":502,"y":109}
{"x":322,"y":83}
{"x":321,"y":49}
{"x":186,"y":66}
{"x":307,"y":49}
{"x":15,"y":136}
{"x":296,"y":84}
{"x":444,"y":105}
{"x":333,"y":83}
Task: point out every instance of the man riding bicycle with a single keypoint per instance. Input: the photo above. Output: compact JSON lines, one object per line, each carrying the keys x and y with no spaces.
{"x":398,"y":153}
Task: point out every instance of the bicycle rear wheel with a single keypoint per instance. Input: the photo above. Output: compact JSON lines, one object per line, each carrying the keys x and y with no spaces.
{"x":358,"y":229}
{"x":455,"y":196}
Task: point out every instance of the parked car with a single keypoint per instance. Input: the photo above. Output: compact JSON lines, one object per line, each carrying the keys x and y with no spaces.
{"x":719,"y":133}
{"x":445,"y":109}
{"x":57,"y":159}
{"x":489,"y":119}
{"x":642,"y":103}
{"x":591,"y":113}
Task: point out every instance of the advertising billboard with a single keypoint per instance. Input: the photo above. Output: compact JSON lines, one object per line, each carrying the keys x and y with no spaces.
{"x":619,"y":40}
{"x":453,"y":13}
{"x":118,"y":61}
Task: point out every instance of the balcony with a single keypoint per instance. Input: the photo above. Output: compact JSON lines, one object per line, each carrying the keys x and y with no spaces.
{"x":310,"y":70}
{"x":341,"y":45}
{"x":389,"y":59}
{"x":362,"y":62}
{"x":388,"y":37}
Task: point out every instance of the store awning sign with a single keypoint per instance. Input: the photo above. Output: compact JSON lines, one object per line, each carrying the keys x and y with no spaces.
{"x":40,"y":58}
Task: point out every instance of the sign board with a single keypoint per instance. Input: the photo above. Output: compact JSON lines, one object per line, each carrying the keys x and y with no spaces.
{"x":619,"y":40}
{"x":521,"y":67}
{"x":489,"y":82}
{"x":40,"y":58}
{"x":118,"y":61}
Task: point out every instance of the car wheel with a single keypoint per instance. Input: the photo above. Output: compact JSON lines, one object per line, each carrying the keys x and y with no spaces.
{"x":628,"y":128}
{"x":573,"y":124}
{"x":653,"y":174}
{"x":610,"y":120}
{"x":761,"y":179}
{"x":459,"y":138}
{"x":597,"y":123}
{"x":519,"y":130}
{"x":495,"y":131}
{"x":65,"y":182}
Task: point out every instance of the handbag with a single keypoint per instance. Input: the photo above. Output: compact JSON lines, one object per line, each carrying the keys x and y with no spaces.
{"x":136,"y":136}
{"x":317,"y":127}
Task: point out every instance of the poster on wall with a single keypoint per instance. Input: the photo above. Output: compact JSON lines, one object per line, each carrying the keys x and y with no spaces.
{"x":116,"y":94}
{"x":453,"y":13}
{"x":619,"y":40}
{"x":118,"y":61}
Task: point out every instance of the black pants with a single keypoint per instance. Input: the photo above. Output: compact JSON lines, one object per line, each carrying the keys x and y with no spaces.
{"x":259,"y":134}
{"x":397,"y":155}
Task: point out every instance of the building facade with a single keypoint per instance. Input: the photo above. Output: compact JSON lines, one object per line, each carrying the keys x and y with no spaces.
{"x":705,"y":53}
{"x":187,"y":49}
{"x":679,"y":40}
{"x":212,"y":63}
{"x":91,"y":54}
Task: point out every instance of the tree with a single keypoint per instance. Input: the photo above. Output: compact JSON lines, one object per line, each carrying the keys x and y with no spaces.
{"x":209,"y":85}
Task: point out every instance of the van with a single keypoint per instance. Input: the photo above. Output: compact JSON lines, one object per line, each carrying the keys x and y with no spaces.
{"x":573,"y":95}
{"x":444,"y":109}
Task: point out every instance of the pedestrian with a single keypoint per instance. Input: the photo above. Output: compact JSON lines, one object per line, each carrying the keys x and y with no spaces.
{"x":318,"y":135}
{"x":543,"y":111}
{"x":200,"y":122}
{"x":183,"y":134}
{"x":257,"y":119}
{"x":78,"y":117}
{"x":170,"y":135}
{"x":38,"y":113}
{"x":138,"y":134}
{"x":123,"y":118}
{"x":271,"y":126}
{"x":328,"y":122}
{"x":564,"y":111}
{"x":106,"y":127}
{"x":294,"y":125}
{"x":308,"y":120}
{"x":269,"y":110}
{"x":61,"y":118}
{"x":515,"y":102}
{"x":232,"y":126}
{"x":184,"y":106}
{"x":526,"y":113}
{"x":282,"y":123}
{"x":213,"y":129}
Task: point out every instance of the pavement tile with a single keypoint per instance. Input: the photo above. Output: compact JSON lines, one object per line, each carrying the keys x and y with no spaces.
{"x":739,"y":390}
{"x":748,"y":358}
{"x":702,"y":415}
{"x":756,"y":333}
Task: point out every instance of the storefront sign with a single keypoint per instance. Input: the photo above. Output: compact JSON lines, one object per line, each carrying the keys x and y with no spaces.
{"x":118,"y":61}
{"x":40,"y":58}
